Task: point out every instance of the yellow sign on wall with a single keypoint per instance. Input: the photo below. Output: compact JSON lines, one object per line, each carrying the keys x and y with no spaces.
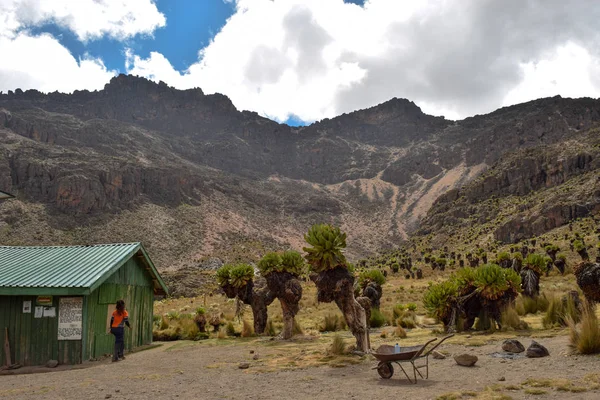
{"x":43,"y":300}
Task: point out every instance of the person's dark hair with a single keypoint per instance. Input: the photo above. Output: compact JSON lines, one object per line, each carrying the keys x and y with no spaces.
{"x":120,"y":306}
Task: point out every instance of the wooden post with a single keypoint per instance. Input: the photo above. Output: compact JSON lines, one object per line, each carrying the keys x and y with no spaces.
{"x":7,"y":348}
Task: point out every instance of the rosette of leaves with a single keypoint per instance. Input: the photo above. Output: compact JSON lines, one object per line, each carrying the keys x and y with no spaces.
{"x":464,"y":279}
{"x":503,"y":259}
{"x":535,"y":262}
{"x":438,"y":300}
{"x":580,"y":248}
{"x":223,"y":274}
{"x":240,"y":275}
{"x":491,"y":282}
{"x":370,"y":283}
{"x":271,"y":262}
{"x":293,"y":262}
{"x":551,"y":250}
{"x":373,"y":275}
{"x":327,"y":244}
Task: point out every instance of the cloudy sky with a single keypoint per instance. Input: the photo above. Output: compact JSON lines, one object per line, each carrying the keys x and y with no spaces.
{"x":303,"y":60}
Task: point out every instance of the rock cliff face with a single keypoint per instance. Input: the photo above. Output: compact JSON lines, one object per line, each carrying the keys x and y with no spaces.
{"x":141,"y":161}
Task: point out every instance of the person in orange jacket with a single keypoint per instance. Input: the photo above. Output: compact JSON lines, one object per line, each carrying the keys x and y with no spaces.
{"x":120,"y":318}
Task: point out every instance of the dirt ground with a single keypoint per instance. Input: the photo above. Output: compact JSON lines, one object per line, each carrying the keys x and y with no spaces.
{"x":301,"y":369}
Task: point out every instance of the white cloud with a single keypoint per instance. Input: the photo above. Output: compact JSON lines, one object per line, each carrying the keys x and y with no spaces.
{"x":319,"y":58}
{"x":40,"y":62}
{"x":88,"y":19}
{"x":570,"y":71}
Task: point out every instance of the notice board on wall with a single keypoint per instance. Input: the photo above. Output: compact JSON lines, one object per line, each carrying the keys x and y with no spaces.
{"x":70,"y":318}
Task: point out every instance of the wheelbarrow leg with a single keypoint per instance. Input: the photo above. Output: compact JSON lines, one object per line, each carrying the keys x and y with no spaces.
{"x":405,"y":374}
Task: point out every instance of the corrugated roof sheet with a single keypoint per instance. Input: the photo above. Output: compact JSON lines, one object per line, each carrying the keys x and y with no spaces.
{"x":63,"y":266}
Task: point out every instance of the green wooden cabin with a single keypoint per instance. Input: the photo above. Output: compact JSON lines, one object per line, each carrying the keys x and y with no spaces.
{"x":56,"y":301}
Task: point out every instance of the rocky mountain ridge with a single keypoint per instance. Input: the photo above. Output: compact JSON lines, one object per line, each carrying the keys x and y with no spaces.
{"x":108,"y":165}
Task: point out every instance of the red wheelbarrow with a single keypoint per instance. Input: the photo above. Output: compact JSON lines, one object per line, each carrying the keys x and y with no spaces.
{"x":386,"y":356}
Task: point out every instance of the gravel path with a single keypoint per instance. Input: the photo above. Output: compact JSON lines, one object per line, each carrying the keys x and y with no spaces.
{"x":204,"y":370}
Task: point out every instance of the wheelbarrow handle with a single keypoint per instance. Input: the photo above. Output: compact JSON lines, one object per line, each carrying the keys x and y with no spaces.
{"x":437,"y":344}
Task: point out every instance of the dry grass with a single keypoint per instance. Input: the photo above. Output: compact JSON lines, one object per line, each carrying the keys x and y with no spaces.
{"x":399,"y":332}
{"x":247,"y":329}
{"x":585,"y":336}
{"x":338,"y":346}
{"x":510,"y":319}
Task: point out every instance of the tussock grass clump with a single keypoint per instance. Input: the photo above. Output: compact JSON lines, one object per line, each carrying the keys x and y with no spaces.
{"x":559,"y":311}
{"x":230,"y":329}
{"x":338,"y":347}
{"x":297,"y":329}
{"x":510,"y":319}
{"x":164,"y":323}
{"x":399,"y":332}
{"x":222,"y":333}
{"x":270,"y":329}
{"x":531,"y":305}
{"x":377,"y":318}
{"x":332,"y":323}
{"x":247,"y":329}
{"x":585,"y":337}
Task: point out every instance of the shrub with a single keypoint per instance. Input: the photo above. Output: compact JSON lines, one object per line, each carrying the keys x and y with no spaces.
{"x":585,"y":337}
{"x":247,"y":329}
{"x":377,"y":318}
{"x":373,"y":275}
{"x":200,"y":311}
{"x":411,"y":307}
{"x":338,"y":347}
{"x":437,"y":299}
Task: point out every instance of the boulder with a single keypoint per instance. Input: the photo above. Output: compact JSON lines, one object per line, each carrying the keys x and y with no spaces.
{"x":437,"y":355}
{"x":513,"y":346}
{"x":52,"y":364}
{"x":244,"y":365}
{"x":536,"y":350}
{"x":466,"y":360}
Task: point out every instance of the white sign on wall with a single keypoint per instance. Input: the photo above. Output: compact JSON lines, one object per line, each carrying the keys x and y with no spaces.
{"x":27,"y":307}
{"x":70,"y":318}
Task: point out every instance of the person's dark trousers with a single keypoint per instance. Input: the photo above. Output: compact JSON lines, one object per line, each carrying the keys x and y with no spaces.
{"x":119,"y":342}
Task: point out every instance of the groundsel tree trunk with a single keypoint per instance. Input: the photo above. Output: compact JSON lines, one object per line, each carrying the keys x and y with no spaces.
{"x":337,"y":285}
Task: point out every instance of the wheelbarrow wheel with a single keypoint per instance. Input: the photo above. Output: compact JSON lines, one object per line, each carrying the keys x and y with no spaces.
{"x":385,"y":370}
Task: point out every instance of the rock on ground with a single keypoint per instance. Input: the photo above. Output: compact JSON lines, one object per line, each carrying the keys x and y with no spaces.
{"x":466,"y":360}
{"x":536,"y":350}
{"x":513,"y":346}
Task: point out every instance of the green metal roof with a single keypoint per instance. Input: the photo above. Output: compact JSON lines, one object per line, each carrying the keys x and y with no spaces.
{"x":67,"y":270}
{"x":4,"y":195}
